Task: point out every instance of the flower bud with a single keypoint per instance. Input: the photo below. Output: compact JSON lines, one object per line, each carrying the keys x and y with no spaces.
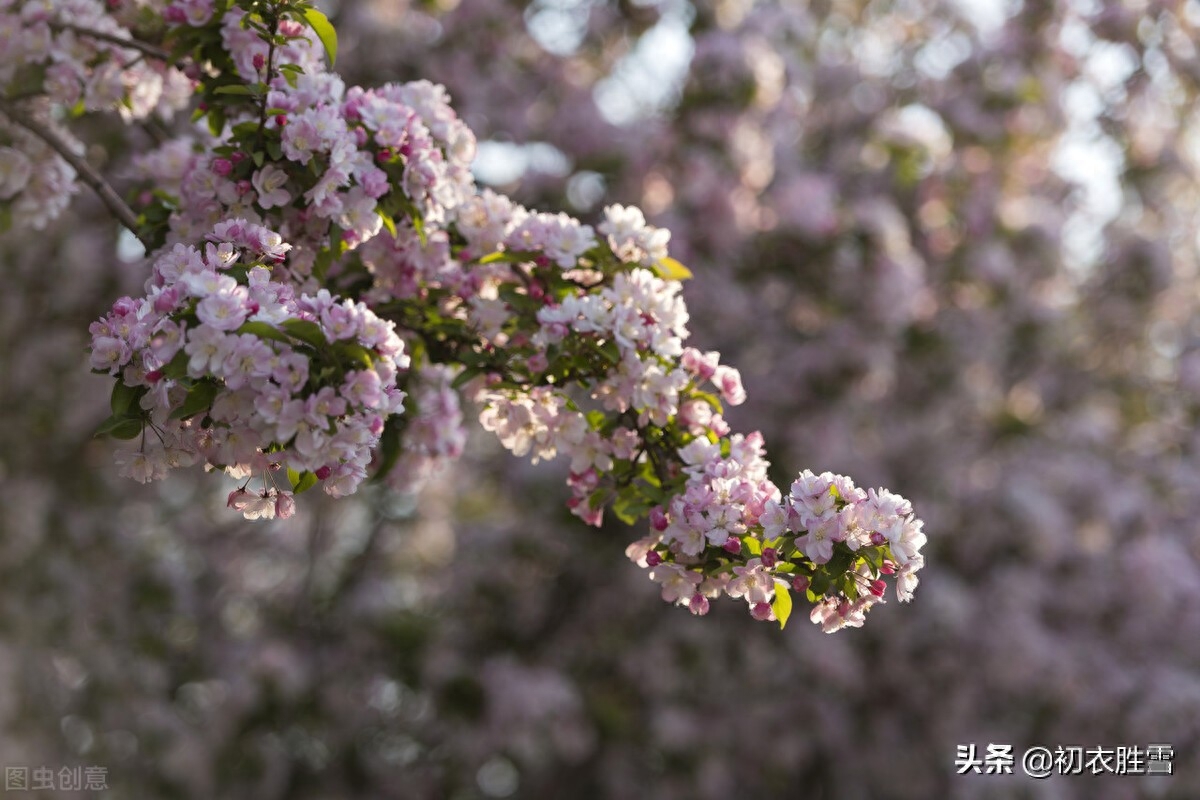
{"x":285,"y":505}
{"x":698,"y":605}
{"x":658,"y":519}
{"x":761,"y":611}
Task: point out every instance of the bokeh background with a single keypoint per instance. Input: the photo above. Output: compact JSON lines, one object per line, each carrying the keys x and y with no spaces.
{"x":952,"y":246}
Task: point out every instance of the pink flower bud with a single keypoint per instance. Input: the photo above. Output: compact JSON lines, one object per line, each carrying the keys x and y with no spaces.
{"x":237,"y":499}
{"x":167,"y":299}
{"x":653,"y":559}
{"x":222,"y":166}
{"x":733,"y":545}
{"x":658,"y":519}
{"x":259,"y":62}
{"x":323,"y":472}
{"x":877,"y":538}
{"x":888,"y":568}
{"x":285,"y":505}
{"x":154,"y":375}
{"x":698,"y":605}
{"x":729,"y":381}
{"x":769,"y":557}
{"x":174,"y":15}
{"x":878,"y":587}
{"x":384,"y":155}
{"x":761,"y":612}
{"x":281,"y":120}
{"x":800,"y":583}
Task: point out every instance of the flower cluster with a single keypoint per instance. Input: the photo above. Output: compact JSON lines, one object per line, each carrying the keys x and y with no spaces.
{"x":36,"y":184}
{"x":571,"y":338}
{"x":324,"y":158}
{"x":731,"y":532}
{"x":434,"y":434}
{"x":221,"y":361}
{"x":81,"y":58}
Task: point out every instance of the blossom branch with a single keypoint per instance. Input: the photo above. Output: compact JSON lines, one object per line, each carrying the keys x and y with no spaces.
{"x":87,"y":173}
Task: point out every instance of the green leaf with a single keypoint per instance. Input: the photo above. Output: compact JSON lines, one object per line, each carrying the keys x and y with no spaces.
{"x":324,"y":30}
{"x":465,"y":376}
{"x":235,"y":89}
{"x":388,"y":222}
{"x":389,"y":445}
{"x":630,"y":506}
{"x":782,"y":605}
{"x":611,"y":352}
{"x":263,"y":330}
{"x":709,"y":398}
{"x":199,"y":398}
{"x":176,"y":368}
{"x":301,"y":481}
{"x":753,"y":545}
{"x":306,"y":331}
{"x":357,"y":353}
{"x":123,"y":398}
{"x":120,"y":427}
{"x":216,"y":121}
{"x":672,"y":270}
{"x":598,"y":498}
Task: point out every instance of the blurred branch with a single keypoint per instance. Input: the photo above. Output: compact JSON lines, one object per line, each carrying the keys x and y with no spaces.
{"x":132,"y":44}
{"x":87,"y":173}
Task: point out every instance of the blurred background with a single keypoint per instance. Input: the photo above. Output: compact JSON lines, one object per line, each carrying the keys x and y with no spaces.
{"x":952,"y":246}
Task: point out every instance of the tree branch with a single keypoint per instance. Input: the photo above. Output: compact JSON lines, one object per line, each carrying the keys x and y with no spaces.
{"x":87,"y":173}
{"x":132,"y":44}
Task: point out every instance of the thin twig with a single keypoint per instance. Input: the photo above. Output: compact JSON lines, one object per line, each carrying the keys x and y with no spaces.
{"x":132,"y":44}
{"x":87,"y":173}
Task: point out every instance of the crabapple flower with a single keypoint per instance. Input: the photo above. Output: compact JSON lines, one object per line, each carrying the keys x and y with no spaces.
{"x":323,"y":232}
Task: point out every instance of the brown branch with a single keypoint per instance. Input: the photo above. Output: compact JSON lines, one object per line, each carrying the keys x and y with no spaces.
{"x":87,"y":173}
{"x":131,"y":44}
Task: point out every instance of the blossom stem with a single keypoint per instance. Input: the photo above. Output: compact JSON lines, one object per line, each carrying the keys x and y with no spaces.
{"x":87,"y":173}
